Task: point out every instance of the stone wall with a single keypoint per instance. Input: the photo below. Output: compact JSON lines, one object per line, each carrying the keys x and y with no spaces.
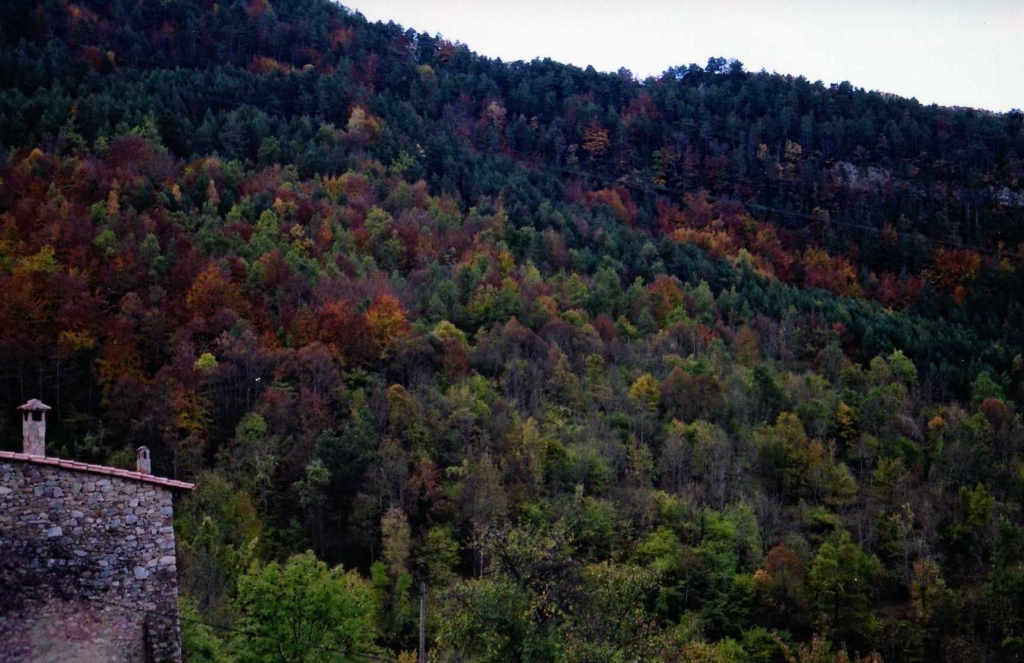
{"x":87,"y":567}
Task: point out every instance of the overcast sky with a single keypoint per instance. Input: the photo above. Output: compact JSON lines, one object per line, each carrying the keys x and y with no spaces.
{"x":952,"y":52}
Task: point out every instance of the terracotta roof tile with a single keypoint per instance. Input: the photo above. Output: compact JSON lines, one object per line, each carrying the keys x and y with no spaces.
{"x":96,"y":469}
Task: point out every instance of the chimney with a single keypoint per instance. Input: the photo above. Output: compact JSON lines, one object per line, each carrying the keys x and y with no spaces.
{"x":142,"y":463}
{"x":33,"y":427}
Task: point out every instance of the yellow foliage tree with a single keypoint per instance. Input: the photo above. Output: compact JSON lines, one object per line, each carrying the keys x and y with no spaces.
{"x":595,"y":139}
{"x":646,"y":393}
{"x":387,"y":323}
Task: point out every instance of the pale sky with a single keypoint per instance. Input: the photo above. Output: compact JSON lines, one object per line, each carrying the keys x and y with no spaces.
{"x":959,"y":53}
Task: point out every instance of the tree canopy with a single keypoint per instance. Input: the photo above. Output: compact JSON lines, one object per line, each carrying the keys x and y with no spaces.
{"x":718,"y":365}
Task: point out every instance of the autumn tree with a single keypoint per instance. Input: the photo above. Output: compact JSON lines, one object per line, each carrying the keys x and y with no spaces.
{"x":387,"y":325}
{"x":595,"y":140}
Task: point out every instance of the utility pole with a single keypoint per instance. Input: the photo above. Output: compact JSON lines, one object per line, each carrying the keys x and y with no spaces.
{"x":423,"y":622}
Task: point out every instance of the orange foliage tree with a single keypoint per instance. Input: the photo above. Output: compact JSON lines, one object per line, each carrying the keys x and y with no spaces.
{"x":213,"y":291}
{"x":666,"y":296}
{"x":387,"y":324}
{"x":954,"y":271}
{"x":833,"y":273}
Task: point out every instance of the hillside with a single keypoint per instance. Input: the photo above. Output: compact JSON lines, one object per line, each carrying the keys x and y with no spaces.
{"x":717,"y":365}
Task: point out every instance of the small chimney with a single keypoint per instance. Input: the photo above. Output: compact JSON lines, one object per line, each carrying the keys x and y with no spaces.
{"x":142,"y":463}
{"x":33,"y":427}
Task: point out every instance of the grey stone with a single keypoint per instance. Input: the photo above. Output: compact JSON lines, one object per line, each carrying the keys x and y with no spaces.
{"x":65,"y":527}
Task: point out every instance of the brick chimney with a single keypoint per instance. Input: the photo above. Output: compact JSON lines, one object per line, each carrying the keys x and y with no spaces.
{"x":142,"y":463}
{"x":33,"y":427}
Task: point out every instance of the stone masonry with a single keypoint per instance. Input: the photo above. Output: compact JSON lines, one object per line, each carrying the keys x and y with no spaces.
{"x":87,"y":563}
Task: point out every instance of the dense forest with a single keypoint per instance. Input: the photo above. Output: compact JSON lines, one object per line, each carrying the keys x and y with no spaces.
{"x":713,"y":366}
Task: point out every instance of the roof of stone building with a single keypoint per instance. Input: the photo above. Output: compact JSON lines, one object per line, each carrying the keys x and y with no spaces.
{"x":35,"y":405}
{"x":96,"y":469}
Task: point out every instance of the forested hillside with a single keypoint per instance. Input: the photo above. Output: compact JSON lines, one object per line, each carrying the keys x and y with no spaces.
{"x":713,"y":366}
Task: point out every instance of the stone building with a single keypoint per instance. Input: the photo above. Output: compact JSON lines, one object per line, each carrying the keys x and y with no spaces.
{"x":87,"y":557}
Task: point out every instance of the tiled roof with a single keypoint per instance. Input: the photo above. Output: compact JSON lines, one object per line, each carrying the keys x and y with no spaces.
{"x":96,"y":469}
